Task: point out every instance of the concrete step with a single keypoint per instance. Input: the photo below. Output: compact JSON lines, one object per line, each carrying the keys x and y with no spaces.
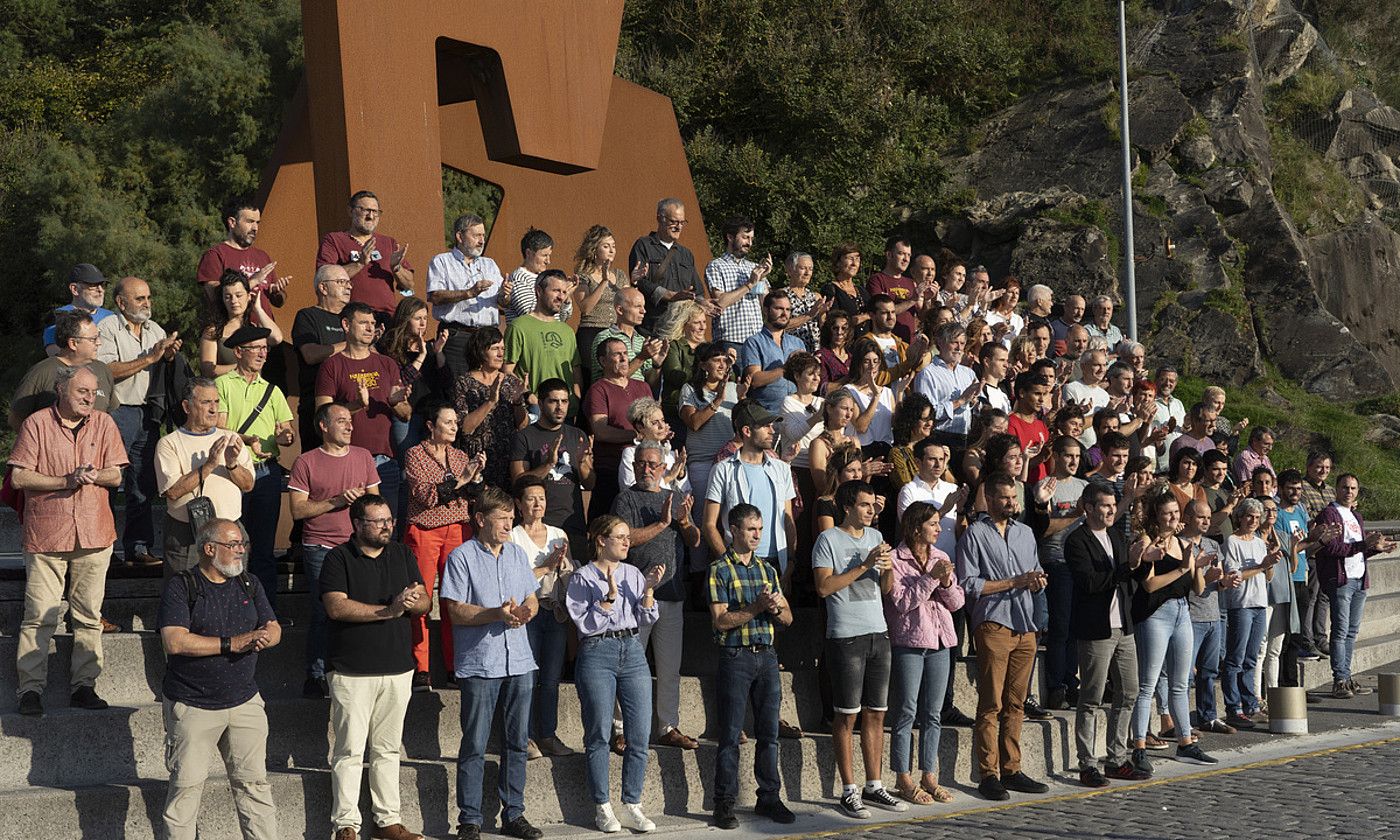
{"x":1385,"y":576}
{"x":1381,"y":616}
{"x":677,"y":783}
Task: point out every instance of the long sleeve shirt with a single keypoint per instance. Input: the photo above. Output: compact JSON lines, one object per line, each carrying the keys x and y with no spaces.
{"x":587,"y":589}
{"x":986,"y":554}
{"x":919,"y":608}
{"x":942,"y":385}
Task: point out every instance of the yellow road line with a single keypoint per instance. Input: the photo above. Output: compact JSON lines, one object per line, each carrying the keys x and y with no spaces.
{"x":1086,"y":794}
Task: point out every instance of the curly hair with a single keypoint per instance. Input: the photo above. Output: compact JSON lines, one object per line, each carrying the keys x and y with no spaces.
{"x":907,"y":416}
{"x":586,"y":257}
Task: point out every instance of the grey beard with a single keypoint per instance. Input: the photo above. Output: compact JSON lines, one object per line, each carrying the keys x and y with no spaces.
{"x":229,"y":570}
{"x":137,"y":318}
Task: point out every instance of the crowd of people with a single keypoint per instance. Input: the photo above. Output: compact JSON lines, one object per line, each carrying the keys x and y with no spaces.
{"x":913,"y":464}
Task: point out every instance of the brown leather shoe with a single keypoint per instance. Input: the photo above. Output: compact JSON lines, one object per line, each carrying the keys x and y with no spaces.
{"x":109,"y":627}
{"x":346,"y":834}
{"x":394,"y":832}
{"x":619,"y":744}
{"x":145,"y":558}
{"x":678,"y":739}
{"x":788,"y":730}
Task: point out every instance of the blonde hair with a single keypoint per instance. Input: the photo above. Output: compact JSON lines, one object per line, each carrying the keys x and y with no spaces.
{"x":671,"y":325}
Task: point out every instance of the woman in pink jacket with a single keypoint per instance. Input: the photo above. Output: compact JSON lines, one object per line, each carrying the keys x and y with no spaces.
{"x":918,"y":611}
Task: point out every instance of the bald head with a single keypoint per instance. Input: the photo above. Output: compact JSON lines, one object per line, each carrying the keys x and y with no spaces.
{"x":631,"y":307}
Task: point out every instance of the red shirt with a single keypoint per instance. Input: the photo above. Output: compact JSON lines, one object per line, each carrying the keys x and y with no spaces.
{"x":67,"y":520}
{"x":1028,"y":433}
{"x":339,"y":378}
{"x":246,"y":261}
{"x":374,"y":284}
{"x":321,"y":475}
{"x":900,"y":288}
{"x":603,"y":397}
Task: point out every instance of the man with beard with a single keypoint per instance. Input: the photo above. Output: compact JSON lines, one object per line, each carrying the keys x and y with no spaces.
{"x":371,"y":589}
{"x":129,"y":343}
{"x":88,"y":289}
{"x":737,"y":284}
{"x":538,"y":346}
{"x":464,"y":288}
{"x":241,"y":220}
{"x":374,"y":261}
{"x":764,"y":356}
{"x":214,"y":619}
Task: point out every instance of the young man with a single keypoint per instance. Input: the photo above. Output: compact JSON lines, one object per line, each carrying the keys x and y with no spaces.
{"x":241,"y":221}
{"x":754,"y":476}
{"x":901,"y":358}
{"x":1032,"y":395}
{"x":746,"y":598}
{"x":1317,"y":495}
{"x":538,"y":346}
{"x":902,"y":290}
{"x":999,"y":569}
{"x":488,"y":592}
{"x":562,"y":456}
{"x":737,"y":284}
{"x":852,"y":570}
{"x":1097,"y":557}
{"x":1061,"y":653}
{"x":764,"y":354}
{"x":370,"y":588}
{"x":1207,"y":621}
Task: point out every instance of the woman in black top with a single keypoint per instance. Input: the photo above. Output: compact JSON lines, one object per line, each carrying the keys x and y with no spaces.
{"x":850,"y":297}
{"x":1166,"y":572}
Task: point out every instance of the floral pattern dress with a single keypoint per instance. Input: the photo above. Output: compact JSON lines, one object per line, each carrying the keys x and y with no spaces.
{"x":495,"y":433}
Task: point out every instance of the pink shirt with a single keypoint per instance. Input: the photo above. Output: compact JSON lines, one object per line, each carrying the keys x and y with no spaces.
{"x":918,"y":609}
{"x":67,"y":520}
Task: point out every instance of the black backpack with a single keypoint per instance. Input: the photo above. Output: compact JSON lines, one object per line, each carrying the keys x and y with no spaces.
{"x":194,"y":589}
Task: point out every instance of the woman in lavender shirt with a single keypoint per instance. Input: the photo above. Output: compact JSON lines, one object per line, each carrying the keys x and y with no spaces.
{"x":609,"y":600}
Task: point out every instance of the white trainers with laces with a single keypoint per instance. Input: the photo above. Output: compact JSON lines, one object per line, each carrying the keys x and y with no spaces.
{"x":633,"y":818}
{"x":605,"y":820}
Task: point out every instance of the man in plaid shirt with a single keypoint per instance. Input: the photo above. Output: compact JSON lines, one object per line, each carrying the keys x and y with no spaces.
{"x":737,"y":284}
{"x":745,"y":600}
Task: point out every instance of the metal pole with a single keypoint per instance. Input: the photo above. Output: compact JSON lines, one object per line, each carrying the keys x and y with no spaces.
{"x":1129,"y":278}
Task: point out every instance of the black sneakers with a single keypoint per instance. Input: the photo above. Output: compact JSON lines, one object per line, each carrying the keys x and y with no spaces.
{"x":30,"y":703}
{"x":316,"y":688}
{"x":1021,"y":783}
{"x":85,"y":698}
{"x":880,"y":798}
{"x":773,"y":809}
{"x":1140,"y":762}
{"x":1125,"y":772}
{"x":521,"y":829}
{"x":853,"y":806}
{"x":1091,"y":777}
{"x":991,"y":788}
{"x":724,"y":816}
{"x":1193,"y":754}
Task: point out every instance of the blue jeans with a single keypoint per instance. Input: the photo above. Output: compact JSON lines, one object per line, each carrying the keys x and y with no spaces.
{"x":608,"y":672}
{"x":1164,"y":640}
{"x":744,"y":678}
{"x":1061,"y":651}
{"x":1347,"y":602}
{"x":548,"y":641}
{"x":390,"y":484}
{"x":262,"y":507}
{"x":1244,"y":634}
{"x":1207,"y":640}
{"x":403,"y":436}
{"x":138,"y":479}
{"x":918,"y":677}
{"x":312,"y":556}
{"x":480,"y":696}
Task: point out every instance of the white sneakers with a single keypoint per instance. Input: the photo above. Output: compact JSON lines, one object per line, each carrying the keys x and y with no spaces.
{"x":604,"y":819}
{"x":632,"y":817}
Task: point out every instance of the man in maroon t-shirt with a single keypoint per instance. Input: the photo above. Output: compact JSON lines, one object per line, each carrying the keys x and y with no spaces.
{"x":241,"y":220}
{"x":891,"y":281}
{"x":1032,"y":394}
{"x":605,"y":405}
{"x":374,"y":261}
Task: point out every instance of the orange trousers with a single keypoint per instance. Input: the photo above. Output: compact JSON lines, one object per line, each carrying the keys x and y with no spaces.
{"x":432,"y":546}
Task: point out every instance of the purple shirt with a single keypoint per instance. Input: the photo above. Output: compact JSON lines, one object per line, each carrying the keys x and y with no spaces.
{"x":588,"y":587}
{"x":1246,"y":463}
{"x":918,"y":608}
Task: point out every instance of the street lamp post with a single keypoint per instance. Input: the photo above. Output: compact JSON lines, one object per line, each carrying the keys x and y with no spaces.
{"x":1129,"y":276}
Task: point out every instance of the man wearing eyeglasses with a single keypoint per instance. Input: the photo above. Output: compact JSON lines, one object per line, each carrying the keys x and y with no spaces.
{"x":374,"y":261}
{"x":670,"y":266}
{"x":89,"y":290}
{"x":76,"y":337}
{"x":257,"y":411}
{"x":371,"y":589}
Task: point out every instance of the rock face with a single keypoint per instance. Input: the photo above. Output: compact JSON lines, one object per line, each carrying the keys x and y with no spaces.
{"x":1244,"y":287}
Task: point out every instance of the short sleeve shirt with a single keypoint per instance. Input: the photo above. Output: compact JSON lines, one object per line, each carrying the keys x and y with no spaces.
{"x":321,"y":475}
{"x":541,"y":350}
{"x":563,"y":486}
{"x":231,"y":608}
{"x":36,"y":389}
{"x":67,"y":520}
{"x":340,"y":378}
{"x":117,"y":344}
{"x":373,"y":284}
{"x":370,"y":648}
{"x":238,"y":398}
{"x":313,"y":325}
{"x":856,"y":610}
{"x":606,"y":398}
{"x":902,"y":289}
{"x":473,"y":575}
{"x":761,"y":350}
{"x":246,"y":261}
{"x":451,"y":272}
{"x":181,"y":452}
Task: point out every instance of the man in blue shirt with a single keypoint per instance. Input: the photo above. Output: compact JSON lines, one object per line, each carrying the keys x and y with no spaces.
{"x":753,"y":475}
{"x":488,"y":592}
{"x":1292,"y":523}
{"x":89,"y":289}
{"x":763,"y":355}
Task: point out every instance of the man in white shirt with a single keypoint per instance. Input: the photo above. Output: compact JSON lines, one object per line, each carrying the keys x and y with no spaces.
{"x":1101,"y":321}
{"x":464,"y":288}
{"x":928,"y":486}
{"x":1170,"y":413}
{"x":951,"y":386}
{"x":1088,"y":391}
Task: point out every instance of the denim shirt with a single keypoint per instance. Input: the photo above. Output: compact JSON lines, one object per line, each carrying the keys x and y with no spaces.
{"x":473,"y":575}
{"x":985,"y":554}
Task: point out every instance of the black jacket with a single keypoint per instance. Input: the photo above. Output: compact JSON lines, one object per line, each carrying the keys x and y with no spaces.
{"x":1096,"y":577}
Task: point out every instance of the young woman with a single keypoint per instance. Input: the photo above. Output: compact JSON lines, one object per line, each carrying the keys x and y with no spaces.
{"x":707,"y":402}
{"x":988,"y":423}
{"x":978,"y":333}
{"x":440,"y":478}
{"x":1166,"y":571}
{"x":919,"y":613}
{"x":835,"y":358}
{"x":1246,"y":551}
{"x":913,"y":421}
{"x":491,"y":404}
{"x":233,"y":308}
{"x":843,"y":465}
{"x":548,"y":550}
{"x":837,"y":412}
{"x":802,"y":409}
{"x":1182,"y":478}
{"x":596,"y":283}
{"x":1283,"y":609}
{"x":609,"y":601}
{"x":874,"y":402}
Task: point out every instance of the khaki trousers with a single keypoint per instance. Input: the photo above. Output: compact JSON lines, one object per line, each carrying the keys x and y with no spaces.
{"x":367,"y":715}
{"x":239,"y":736}
{"x":86,"y":574}
{"x":1004,"y":660}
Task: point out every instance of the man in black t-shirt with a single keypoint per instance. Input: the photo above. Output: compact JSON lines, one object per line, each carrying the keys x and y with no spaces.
{"x":317,"y":334}
{"x":561,"y":455}
{"x":213,"y":620}
{"x":371,"y":589}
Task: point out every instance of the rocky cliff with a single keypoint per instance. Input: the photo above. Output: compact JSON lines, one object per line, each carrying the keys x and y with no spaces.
{"x":1283,"y":255}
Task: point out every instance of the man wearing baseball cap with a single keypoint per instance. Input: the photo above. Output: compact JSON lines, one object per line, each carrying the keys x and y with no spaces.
{"x":88,"y":289}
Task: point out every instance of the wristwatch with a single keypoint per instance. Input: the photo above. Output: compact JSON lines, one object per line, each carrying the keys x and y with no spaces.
{"x":225,"y":645}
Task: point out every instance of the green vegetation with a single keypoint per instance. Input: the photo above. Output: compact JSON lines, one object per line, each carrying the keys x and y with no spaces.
{"x":1317,"y":196}
{"x":1312,"y":422}
{"x":1366,"y":35}
{"x":1095,"y":214}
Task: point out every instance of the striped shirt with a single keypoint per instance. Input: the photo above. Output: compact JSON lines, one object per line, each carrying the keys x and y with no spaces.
{"x":737,"y":585}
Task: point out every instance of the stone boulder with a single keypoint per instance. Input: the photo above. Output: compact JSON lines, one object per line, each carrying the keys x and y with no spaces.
{"x":1283,"y":44}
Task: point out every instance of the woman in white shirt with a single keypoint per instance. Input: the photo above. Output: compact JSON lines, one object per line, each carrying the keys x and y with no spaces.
{"x":1247,"y":554}
{"x":873,"y":423}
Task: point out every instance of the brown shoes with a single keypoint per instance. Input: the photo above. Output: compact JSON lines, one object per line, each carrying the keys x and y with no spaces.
{"x":678,"y":739}
{"x":346,"y":834}
{"x":109,"y":627}
{"x":619,"y":744}
{"x":788,"y":730}
{"x":391,"y":832}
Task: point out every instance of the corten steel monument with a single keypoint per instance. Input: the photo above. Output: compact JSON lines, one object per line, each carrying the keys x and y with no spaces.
{"x":520,"y":94}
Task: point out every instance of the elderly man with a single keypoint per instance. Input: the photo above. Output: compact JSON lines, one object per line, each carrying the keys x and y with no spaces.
{"x":214,"y":619}
{"x":317,"y":334}
{"x":644,"y":355}
{"x":373,"y":260}
{"x":670,"y":273}
{"x":88,"y":289}
{"x":257,"y":412}
{"x":661,"y":532}
{"x":1040,"y":300}
{"x":1071,"y":315}
{"x":737,"y":284}
{"x":464,"y":288}
{"x":76,"y":336}
{"x":952,"y":387}
{"x":65,"y":458}
{"x":1101,"y":324}
{"x":242,"y":219}
{"x":199,"y":460}
{"x":1089,"y":391}
{"x":129,"y":343}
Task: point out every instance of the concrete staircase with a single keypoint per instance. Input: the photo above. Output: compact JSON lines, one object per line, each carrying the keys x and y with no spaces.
{"x":102,"y":774}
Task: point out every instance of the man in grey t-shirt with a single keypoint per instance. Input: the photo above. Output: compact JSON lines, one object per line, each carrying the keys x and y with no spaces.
{"x":1061,"y":653}
{"x":851,"y":566}
{"x":1207,"y":622}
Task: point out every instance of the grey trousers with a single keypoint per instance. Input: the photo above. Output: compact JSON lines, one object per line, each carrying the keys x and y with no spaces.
{"x":1098,"y":658}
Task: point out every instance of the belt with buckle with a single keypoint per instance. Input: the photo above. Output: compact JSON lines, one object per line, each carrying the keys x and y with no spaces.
{"x":615,"y":634}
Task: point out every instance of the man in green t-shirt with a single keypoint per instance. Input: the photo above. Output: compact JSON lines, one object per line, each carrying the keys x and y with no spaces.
{"x":540,"y":347}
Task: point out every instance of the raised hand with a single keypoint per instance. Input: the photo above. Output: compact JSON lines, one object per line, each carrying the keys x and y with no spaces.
{"x":396,"y":259}
{"x":687,"y":504}
{"x":1045,"y":490}
{"x":639,"y":271}
{"x":745,"y":382}
{"x":654,"y":574}
{"x":233,"y":446}
{"x":440,"y":341}
{"x":362,"y":393}
{"x":348,"y":496}
{"x":666,"y":513}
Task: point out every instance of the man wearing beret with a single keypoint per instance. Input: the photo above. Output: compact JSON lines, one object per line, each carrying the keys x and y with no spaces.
{"x":257,"y":411}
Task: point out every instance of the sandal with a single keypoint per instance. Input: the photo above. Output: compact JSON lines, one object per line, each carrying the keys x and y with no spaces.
{"x":938,"y":792}
{"x":914,"y":796}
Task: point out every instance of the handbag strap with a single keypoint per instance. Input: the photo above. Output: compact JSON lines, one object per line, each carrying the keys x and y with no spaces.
{"x":267,"y":394}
